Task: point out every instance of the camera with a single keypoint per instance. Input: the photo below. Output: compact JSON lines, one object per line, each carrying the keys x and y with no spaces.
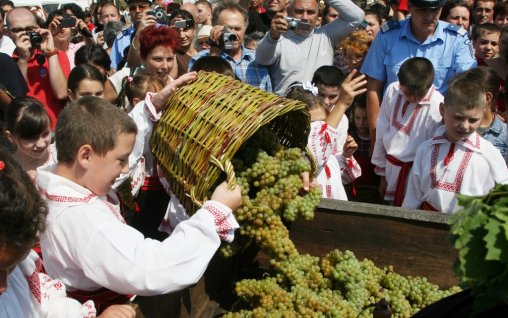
{"x":67,"y":23}
{"x":35,"y":38}
{"x":227,"y":39}
{"x":183,"y":24}
{"x":160,"y":15}
{"x":295,"y":24}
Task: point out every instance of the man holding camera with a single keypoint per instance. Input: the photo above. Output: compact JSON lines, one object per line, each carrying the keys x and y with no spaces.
{"x":293,"y":48}
{"x":127,"y":37}
{"x":230,"y":21}
{"x":44,"y":67}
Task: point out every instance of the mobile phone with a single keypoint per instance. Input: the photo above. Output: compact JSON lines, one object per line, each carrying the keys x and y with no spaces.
{"x":67,"y":23}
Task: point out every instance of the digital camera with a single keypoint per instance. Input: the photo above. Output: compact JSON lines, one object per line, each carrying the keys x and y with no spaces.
{"x":35,"y":38}
{"x":295,"y":24}
{"x":227,"y":39}
{"x":160,"y":15}
{"x":183,"y":24}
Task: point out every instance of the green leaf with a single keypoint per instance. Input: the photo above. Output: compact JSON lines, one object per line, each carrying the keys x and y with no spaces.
{"x":495,"y":239}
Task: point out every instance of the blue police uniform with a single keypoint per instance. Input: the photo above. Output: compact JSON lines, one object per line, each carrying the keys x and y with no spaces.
{"x":449,"y":50}
{"x":123,"y":40}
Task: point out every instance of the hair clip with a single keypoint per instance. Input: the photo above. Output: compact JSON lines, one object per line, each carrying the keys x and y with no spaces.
{"x":129,"y":79}
{"x":2,"y":165}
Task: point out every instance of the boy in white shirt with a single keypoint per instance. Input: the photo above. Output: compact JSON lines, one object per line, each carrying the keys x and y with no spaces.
{"x":408,"y":116}
{"x":457,"y":159}
{"x":87,"y":244}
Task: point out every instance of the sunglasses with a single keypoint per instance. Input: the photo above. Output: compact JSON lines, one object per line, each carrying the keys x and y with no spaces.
{"x":140,"y":7}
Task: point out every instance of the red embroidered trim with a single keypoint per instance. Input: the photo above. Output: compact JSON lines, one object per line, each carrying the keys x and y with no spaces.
{"x":33,"y":281}
{"x":328,"y":191}
{"x":221,"y":221}
{"x":61,"y":198}
{"x":395,"y":123}
{"x":457,"y":182}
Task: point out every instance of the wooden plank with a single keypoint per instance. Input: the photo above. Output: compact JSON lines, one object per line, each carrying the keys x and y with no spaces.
{"x":415,"y":242}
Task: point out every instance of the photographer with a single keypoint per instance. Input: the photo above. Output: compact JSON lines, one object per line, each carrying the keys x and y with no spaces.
{"x":130,"y":36}
{"x":62,"y":25}
{"x":44,"y":67}
{"x":230,"y":21}
{"x":296,"y":49}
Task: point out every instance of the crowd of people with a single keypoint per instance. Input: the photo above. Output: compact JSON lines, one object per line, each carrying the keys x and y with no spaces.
{"x":405,"y":96}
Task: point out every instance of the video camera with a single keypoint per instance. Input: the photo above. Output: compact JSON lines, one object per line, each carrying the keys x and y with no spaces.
{"x":160,"y":15}
{"x":227,"y":39}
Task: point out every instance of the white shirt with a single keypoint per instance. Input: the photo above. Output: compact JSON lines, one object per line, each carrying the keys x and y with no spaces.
{"x":34,"y":294}
{"x":475,"y":166}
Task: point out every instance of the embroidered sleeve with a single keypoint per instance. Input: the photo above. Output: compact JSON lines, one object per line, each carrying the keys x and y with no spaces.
{"x":225,"y":221}
{"x":321,"y":142}
{"x":50,"y":294}
{"x":349,"y":169}
{"x":149,"y":109}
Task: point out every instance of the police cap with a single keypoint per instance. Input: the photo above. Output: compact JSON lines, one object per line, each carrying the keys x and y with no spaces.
{"x":427,"y":3}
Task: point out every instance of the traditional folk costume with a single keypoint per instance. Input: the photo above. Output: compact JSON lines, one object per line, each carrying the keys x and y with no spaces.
{"x":401,"y":127}
{"x":322,"y":139}
{"x":88,"y":246}
{"x":149,"y":187}
{"x":32,"y":294}
{"x":442,"y":169}
{"x":350,"y":169}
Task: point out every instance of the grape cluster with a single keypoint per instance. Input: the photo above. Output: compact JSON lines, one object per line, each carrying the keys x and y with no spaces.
{"x":337,"y":285}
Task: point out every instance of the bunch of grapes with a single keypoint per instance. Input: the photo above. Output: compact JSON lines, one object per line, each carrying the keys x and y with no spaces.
{"x":337,"y":285}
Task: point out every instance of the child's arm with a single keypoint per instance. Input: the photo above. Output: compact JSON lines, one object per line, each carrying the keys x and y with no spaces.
{"x":350,"y":88}
{"x":383,"y":125}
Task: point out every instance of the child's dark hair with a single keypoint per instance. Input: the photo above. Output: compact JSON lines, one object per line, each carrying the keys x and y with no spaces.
{"x":213,"y":64}
{"x":136,"y":86}
{"x":328,"y":75}
{"x":93,"y":54}
{"x":416,"y":74}
{"x":182,"y":14}
{"x":93,"y":121}
{"x":26,"y":118}
{"x":466,"y":93}
{"x":82,"y":72}
{"x":480,"y":29}
{"x":22,"y":209}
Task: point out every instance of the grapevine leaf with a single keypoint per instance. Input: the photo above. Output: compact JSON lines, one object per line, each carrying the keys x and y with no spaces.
{"x":473,"y":265}
{"x":496,"y":243}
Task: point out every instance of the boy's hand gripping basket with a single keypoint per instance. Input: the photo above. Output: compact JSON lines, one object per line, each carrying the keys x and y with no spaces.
{"x":205,"y":124}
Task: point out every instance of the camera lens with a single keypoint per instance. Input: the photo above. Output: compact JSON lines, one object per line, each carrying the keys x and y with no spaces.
{"x":232,"y":37}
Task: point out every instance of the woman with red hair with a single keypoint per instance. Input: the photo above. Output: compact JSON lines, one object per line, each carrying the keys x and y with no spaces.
{"x":155,"y":54}
{"x":157,"y":48}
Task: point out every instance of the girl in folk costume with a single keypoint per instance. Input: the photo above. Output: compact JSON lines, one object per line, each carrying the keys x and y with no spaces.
{"x":323,"y":135}
{"x":328,"y":80}
{"x":147,"y":184}
{"x":28,"y":128}
{"x":456,"y":159}
{"x":408,"y":116}
{"x":24,"y":290}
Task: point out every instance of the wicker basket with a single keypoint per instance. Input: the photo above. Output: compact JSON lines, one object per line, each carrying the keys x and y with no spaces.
{"x":210,"y":119}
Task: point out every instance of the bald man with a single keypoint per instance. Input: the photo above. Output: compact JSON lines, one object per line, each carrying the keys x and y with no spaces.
{"x":44,"y":67}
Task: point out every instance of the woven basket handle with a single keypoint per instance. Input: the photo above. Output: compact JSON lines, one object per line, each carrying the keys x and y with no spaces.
{"x":313,"y":164}
{"x":227,"y":168}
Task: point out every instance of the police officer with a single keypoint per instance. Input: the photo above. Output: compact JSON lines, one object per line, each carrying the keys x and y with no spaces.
{"x":446,"y":45}
{"x":140,"y":20}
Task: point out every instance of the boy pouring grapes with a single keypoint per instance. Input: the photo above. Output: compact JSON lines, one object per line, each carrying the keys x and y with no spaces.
{"x":87,"y":244}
